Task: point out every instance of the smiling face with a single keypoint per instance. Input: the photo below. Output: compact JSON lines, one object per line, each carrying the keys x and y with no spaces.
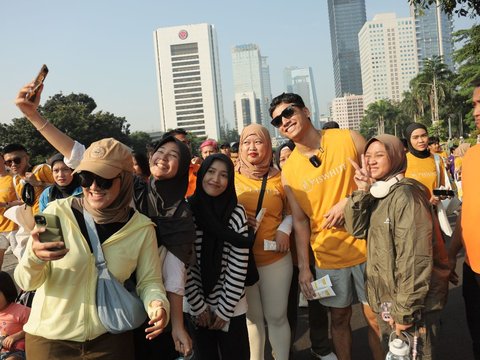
{"x":99,"y":198}
{"x":215,"y":181}
{"x":17,"y":161}
{"x":297,"y":124}
{"x":377,"y":160}
{"x":419,"y":139}
{"x":253,"y":149}
{"x":62,"y":174}
{"x":164,"y":162}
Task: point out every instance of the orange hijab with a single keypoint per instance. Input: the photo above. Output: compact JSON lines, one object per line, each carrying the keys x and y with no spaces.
{"x":256,"y":171}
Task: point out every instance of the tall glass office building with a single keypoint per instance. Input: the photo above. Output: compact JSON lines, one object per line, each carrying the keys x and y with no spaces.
{"x":346,"y":19}
{"x":434,"y":34}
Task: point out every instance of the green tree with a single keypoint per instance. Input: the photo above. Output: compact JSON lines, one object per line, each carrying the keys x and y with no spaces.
{"x":460,"y":7}
{"x":380,"y":112}
{"x":139,"y":140}
{"x":72,"y":114}
{"x":467,"y":56}
{"x":433,"y":86}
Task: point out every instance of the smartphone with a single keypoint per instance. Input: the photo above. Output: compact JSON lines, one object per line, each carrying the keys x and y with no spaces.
{"x":443,"y":192}
{"x":53,"y":229}
{"x":32,"y":94}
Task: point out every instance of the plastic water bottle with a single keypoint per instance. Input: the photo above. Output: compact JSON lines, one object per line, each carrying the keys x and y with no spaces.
{"x":398,"y":349}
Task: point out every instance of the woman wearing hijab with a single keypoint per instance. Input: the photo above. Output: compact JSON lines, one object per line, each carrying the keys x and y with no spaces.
{"x":267,"y":299}
{"x":407,"y":265}
{"x":161,"y":200}
{"x":216,"y":281}
{"x":66,"y":182}
{"x":421,"y":164}
{"x":64,"y":322}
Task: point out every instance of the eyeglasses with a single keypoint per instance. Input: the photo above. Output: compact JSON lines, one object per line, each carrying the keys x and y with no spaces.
{"x":16,"y":161}
{"x":287,"y":113}
{"x":87,"y":178}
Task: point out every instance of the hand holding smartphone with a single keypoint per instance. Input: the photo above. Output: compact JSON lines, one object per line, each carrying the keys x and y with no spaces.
{"x":53,"y":229}
{"x":32,"y":94}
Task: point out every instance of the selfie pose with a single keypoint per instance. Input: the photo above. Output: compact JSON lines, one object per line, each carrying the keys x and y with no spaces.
{"x":64,"y":322}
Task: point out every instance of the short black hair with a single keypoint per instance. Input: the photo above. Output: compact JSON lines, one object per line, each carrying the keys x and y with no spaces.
{"x":225,"y":146}
{"x":433,"y":140}
{"x":330,"y":125}
{"x":142,"y":162}
{"x":286,"y":98}
{"x":234,"y":147}
{"x":7,"y":287}
{"x":177,"y":131}
{"x":475,"y":82}
{"x":14,"y":147}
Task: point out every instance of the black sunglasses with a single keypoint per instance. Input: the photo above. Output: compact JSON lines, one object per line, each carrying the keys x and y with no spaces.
{"x":16,"y":160}
{"x":287,"y":113}
{"x":87,"y":178}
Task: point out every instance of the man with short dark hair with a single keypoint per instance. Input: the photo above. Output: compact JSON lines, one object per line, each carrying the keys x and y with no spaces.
{"x":225,"y":149}
{"x":318,"y":178}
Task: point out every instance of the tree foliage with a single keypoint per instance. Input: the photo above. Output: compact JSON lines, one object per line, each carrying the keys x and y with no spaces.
{"x":469,"y":8}
{"x":384,"y":116}
{"x":72,"y":114}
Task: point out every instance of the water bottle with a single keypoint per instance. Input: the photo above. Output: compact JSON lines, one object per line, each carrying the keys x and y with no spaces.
{"x":398,"y":349}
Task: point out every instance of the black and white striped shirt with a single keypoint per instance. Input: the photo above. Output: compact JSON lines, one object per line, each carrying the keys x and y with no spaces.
{"x":230,"y":287}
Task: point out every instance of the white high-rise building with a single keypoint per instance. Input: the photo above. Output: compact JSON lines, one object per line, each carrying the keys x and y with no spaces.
{"x":348,"y":111}
{"x":388,"y":57}
{"x":299,"y":80}
{"x":188,"y":78}
{"x":251,"y":84}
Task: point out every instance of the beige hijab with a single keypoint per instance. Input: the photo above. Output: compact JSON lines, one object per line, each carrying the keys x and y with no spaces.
{"x":256,"y":171}
{"x":119,"y":210}
{"x":395,"y":152}
{"x":461,"y":150}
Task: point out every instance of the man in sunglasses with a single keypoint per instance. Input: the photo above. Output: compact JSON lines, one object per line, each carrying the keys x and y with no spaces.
{"x":318,"y":178}
{"x":39,"y":177}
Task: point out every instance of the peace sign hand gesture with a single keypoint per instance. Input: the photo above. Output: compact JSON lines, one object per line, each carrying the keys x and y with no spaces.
{"x":362,"y":176}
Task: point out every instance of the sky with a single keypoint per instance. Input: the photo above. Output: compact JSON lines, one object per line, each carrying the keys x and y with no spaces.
{"x":104,"y":48}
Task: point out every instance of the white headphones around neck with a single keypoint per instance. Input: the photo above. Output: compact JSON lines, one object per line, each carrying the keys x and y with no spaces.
{"x":380,"y":189}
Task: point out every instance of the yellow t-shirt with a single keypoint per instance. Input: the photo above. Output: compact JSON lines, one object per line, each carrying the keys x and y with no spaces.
{"x":274,"y":201}
{"x":41,"y":173}
{"x":470,"y":206}
{"x":425,"y":171}
{"x":317,"y":190}
{"x":7,"y":194}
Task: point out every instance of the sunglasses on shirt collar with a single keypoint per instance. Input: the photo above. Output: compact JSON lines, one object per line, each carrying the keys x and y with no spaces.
{"x":287,"y":113}
{"x":87,"y":178}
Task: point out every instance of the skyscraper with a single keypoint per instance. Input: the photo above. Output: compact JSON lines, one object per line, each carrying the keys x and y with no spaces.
{"x":434,"y":34}
{"x":251,"y":85}
{"x":299,"y":80}
{"x":388,"y":53}
{"x":346,"y":18}
{"x":188,"y":79}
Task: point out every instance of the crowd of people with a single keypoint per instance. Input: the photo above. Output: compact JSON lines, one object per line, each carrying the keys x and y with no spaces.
{"x":217,"y":248}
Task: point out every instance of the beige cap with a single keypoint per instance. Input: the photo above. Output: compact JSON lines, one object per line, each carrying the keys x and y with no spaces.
{"x":106,"y":158}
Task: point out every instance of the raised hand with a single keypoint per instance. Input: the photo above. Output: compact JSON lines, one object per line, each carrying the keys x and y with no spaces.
{"x":362,"y":176}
